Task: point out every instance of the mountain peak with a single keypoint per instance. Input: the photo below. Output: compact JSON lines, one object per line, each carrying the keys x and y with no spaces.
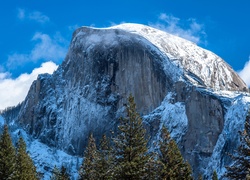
{"x":174,"y":82}
{"x":200,"y":66}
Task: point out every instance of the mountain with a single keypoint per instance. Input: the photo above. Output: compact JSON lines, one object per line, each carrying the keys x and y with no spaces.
{"x":195,"y":93}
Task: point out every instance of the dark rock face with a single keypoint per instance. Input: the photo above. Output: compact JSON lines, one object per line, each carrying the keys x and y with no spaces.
{"x":123,"y":68}
{"x":205,"y":113}
{"x":87,"y":93}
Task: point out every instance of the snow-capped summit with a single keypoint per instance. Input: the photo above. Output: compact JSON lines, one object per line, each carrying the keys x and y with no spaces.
{"x":213,"y":71}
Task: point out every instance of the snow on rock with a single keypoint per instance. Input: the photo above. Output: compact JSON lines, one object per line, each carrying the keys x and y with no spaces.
{"x":44,"y":157}
{"x":1,"y":121}
{"x":210,"y":68}
{"x":172,"y":116}
{"x":47,"y":158}
{"x":234,"y":122}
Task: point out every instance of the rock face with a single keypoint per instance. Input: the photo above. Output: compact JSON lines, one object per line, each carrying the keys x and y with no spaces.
{"x":173,"y":82}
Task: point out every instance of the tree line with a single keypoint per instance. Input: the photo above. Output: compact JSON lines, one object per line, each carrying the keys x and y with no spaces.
{"x":15,"y":163}
{"x":125,"y":156}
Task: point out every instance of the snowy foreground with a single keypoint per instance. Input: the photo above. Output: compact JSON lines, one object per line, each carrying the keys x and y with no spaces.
{"x":44,"y":157}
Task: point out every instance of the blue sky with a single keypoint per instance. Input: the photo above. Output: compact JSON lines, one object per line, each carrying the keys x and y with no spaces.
{"x":35,"y":32}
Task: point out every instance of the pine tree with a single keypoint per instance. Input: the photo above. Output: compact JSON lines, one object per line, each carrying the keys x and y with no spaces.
{"x":200,"y":177}
{"x":55,"y":174}
{"x":63,"y":174}
{"x":7,"y":155}
{"x":130,"y":146}
{"x":88,"y":170}
{"x":173,"y":165}
{"x":240,"y":168}
{"x":153,"y":166}
{"x":60,"y":175}
{"x":215,"y":176}
{"x":105,"y":161}
{"x":25,"y":168}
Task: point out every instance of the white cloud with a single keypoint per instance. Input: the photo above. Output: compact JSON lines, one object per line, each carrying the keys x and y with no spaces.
{"x":4,"y":75}
{"x":46,"y":48}
{"x":245,"y":73}
{"x":14,"y":91}
{"x":189,"y":29}
{"x":36,"y":16}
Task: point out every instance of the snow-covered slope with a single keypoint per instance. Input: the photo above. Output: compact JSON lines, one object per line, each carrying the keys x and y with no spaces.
{"x":234,"y":123}
{"x":44,"y":157}
{"x":210,"y":68}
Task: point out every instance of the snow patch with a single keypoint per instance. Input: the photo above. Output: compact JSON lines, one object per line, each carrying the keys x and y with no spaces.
{"x":1,"y":121}
{"x":234,"y":122}
{"x":44,"y":157}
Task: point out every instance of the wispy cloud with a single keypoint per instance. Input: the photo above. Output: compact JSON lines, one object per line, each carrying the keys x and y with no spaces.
{"x":36,"y":16}
{"x":46,"y":48}
{"x":21,"y":14}
{"x":14,"y":91}
{"x":245,"y":73}
{"x":188,"y":29}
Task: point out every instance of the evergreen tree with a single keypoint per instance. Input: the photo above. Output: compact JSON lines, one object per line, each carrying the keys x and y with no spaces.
{"x":88,"y":170}
{"x":240,"y":169}
{"x":63,"y":174}
{"x":173,"y":165}
{"x":25,"y":169}
{"x":105,"y":161}
{"x":130,"y":146}
{"x":200,"y":177}
{"x":7,"y":155}
{"x":153,"y":166}
{"x":55,"y":174}
{"x":60,"y":175}
{"x":215,"y":176}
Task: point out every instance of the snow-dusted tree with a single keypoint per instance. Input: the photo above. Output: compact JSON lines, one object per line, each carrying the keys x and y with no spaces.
{"x":55,"y":174}
{"x":25,"y":168}
{"x":7,"y":155}
{"x":215,"y":176}
{"x":241,"y":166}
{"x":63,"y":174}
{"x":89,"y":170}
{"x":200,"y":177}
{"x":105,"y":163}
{"x":153,"y":167}
{"x":173,"y":165}
{"x":130,"y":146}
{"x":60,"y":174}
